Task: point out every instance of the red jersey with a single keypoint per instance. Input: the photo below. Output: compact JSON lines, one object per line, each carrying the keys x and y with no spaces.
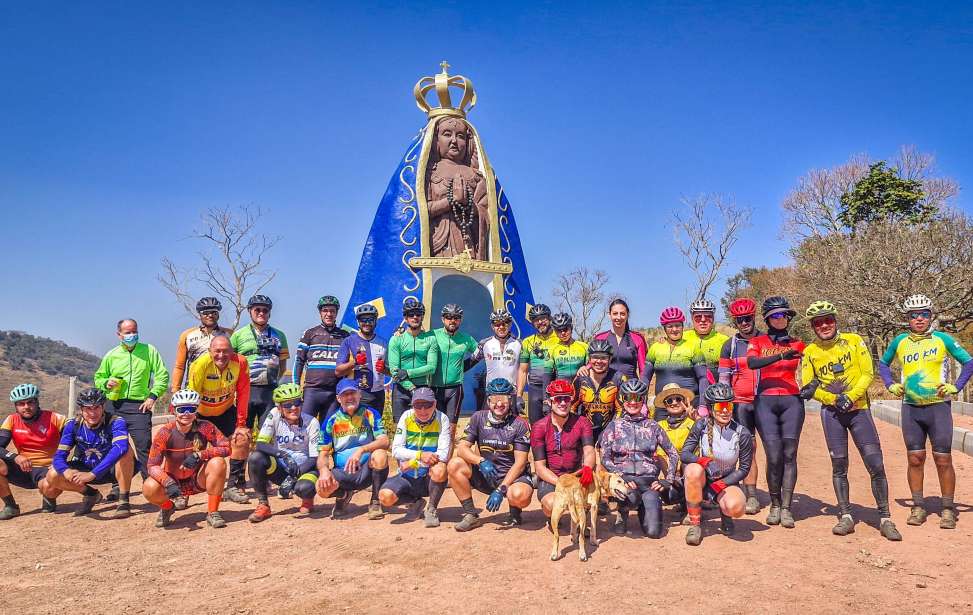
{"x":778,"y":378}
{"x":734,"y":370}
{"x":563,"y":451}
{"x":171,"y":446}
{"x":36,"y":440}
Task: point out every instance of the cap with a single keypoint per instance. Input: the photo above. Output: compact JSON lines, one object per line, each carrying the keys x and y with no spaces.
{"x":346,"y":384}
{"x":423,"y":394}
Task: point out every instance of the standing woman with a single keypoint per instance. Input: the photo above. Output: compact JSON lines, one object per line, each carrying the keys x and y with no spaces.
{"x":779,"y":405}
{"x":629,"y":346}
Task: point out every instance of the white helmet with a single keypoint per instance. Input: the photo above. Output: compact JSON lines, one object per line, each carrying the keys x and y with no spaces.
{"x":185,"y":397}
{"x":916,"y":302}
{"x":702,"y":305}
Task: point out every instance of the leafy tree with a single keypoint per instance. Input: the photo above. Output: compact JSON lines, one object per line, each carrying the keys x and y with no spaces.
{"x":881,"y":195}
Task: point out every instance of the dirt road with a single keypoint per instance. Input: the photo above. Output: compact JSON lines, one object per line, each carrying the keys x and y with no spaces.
{"x":55,"y":563}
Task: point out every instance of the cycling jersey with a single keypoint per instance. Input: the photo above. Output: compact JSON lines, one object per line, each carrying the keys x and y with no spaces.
{"x":629,"y":356}
{"x":629,"y":444}
{"x":416,"y":354}
{"x":193,"y":342}
{"x":36,"y":440}
{"x":170,"y":447}
{"x":502,"y":357}
{"x":730,"y":448}
{"x":568,"y":358}
{"x":498,"y":442}
{"x":413,"y":438}
{"x":599,"y":402}
{"x":135,"y":369}
{"x":535,"y":352}
{"x":264,"y":352}
{"x":923,"y":359}
{"x":220,"y":390}
{"x":299,"y":441}
{"x":375,"y":349}
{"x":562,"y":449}
{"x":342,"y":434}
{"x":734,"y":370}
{"x":452,"y":353}
{"x":680,"y":363}
{"x":98,"y":448}
{"x":678,"y":431}
{"x":317,"y":356}
{"x":842,"y":364}
{"x":710,"y":347}
{"x":778,"y":378}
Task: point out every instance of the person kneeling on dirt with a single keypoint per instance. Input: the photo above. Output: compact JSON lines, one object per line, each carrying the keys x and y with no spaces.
{"x":101,"y":455}
{"x":353,"y":451}
{"x":187,"y":457}
{"x":717,"y":455}
{"x":421,"y":448}
{"x":286,"y":449}
{"x":498,"y":466}
{"x":628,"y":447}
{"x":562,"y":443}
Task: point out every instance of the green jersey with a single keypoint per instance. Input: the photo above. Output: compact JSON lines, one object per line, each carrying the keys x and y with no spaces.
{"x":453,"y":350}
{"x":568,"y":358}
{"x":135,"y":369}
{"x":418,"y":355}
{"x":535,"y":352}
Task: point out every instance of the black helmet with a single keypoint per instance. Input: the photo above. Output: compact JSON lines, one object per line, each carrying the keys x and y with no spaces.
{"x":600,"y":347}
{"x":452,"y":309}
{"x":500,"y":315}
{"x":562,"y":321}
{"x":328,"y":300}
{"x":538,"y":311}
{"x":719,"y":392}
{"x":91,"y":397}
{"x":411,"y":306}
{"x":634,"y":386}
{"x":366,"y":310}
{"x":208,"y":303}
{"x":776,"y":304}
{"x":263,"y":300}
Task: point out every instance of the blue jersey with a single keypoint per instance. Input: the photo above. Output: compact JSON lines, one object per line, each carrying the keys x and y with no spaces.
{"x":98,"y":448}
{"x":342,"y":435}
{"x":367,"y":377}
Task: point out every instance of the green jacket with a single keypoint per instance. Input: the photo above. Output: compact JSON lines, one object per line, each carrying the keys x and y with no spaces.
{"x":136,"y":368}
{"x":417,"y":355}
{"x":453,"y":349}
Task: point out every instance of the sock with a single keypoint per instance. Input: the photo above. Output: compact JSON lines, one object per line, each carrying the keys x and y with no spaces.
{"x":167,"y":505}
{"x":750,"y":490}
{"x":236,"y":473}
{"x":123,"y":497}
{"x":917,"y":499}
{"x":89,"y":491}
{"x":436,"y":491}
{"x":695,"y":513}
{"x":378,"y":479}
{"x":9,"y":500}
{"x":514,"y":511}
{"x":263,"y":499}
{"x":947,"y":501}
{"x":468,"y":507}
{"x":213,"y":503}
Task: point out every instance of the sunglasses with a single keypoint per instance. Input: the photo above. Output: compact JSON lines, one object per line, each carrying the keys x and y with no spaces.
{"x":423,"y":405}
{"x":674,"y":400}
{"x":452,"y":318}
{"x":927,"y":314}
{"x":502,"y":323}
{"x":562,"y":329}
{"x":414,"y":315}
{"x":630,"y":397}
{"x":742,"y":320}
{"x":824,"y":320}
{"x":367,"y":320}
{"x":210,"y":313}
{"x":561,"y":399}
{"x":599,"y":357}
{"x":185,"y":409}
{"x":723,"y":406}
{"x":702,"y":317}
{"x":290,"y":405}
{"x":260,"y":310}
{"x":784,"y":315}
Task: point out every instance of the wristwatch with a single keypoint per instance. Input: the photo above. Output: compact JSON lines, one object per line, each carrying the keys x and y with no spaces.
{"x":502,"y":489}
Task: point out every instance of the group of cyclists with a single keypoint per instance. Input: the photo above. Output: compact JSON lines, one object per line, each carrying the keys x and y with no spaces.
{"x":553,"y":405}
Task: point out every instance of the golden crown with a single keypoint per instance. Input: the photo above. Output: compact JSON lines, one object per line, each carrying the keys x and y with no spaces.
{"x":441,"y":83}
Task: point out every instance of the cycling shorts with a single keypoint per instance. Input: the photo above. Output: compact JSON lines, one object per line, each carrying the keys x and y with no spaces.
{"x":25,"y":480}
{"x":934,"y":421}
{"x":449,"y":401}
{"x":779,"y":417}
{"x":484,"y":485}
{"x":408,"y":488}
{"x":745,"y":414}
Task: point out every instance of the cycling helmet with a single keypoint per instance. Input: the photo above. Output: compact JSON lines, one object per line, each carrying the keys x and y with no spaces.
{"x":719,"y":392}
{"x":185,"y":397}
{"x":287,"y":392}
{"x":634,"y":386}
{"x":600,"y":347}
{"x":499,"y":386}
{"x":366,"y":310}
{"x":776,"y":304}
{"x":208,"y":303}
{"x":559,"y":387}
{"x":702,"y":305}
{"x":743,"y":307}
{"x":328,"y":300}
{"x":671,"y":315}
{"x":500,"y":315}
{"x":562,"y":321}
{"x":263,"y":300}
{"x":916,"y":302}
{"x":23,"y":392}
{"x":452,"y":309}
{"x":820,"y":308}
{"x":411,"y":306}
{"x":91,"y":397}
{"x":538,"y":311}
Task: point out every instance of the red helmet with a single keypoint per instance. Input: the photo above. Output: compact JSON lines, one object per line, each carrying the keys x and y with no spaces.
{"x":670,"y":315}
{"x":560,"y":387}
{"x":743,"y":307}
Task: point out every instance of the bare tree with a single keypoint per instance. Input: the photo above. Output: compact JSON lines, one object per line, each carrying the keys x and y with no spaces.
{"x":581,"y":293}
{"x":230,"y":265}
{"x":705,"y":230}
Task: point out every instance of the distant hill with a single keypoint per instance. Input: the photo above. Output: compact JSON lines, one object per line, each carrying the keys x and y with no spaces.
{"x":45,"y":362}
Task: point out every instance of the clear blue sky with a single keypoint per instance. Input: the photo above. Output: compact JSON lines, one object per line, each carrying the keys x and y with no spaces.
{"x":121,"y":121}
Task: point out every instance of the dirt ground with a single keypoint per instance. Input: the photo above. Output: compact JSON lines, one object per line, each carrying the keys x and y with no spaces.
{"x":54,"y":563}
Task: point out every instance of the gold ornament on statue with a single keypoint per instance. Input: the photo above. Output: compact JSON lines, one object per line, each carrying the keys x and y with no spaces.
{"x":441,"y":84}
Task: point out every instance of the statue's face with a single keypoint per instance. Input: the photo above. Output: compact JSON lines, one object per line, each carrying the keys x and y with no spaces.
{"x":452,"y":139}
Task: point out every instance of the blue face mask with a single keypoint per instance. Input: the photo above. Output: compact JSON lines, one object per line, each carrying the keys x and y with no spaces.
{"x":131,"y":339}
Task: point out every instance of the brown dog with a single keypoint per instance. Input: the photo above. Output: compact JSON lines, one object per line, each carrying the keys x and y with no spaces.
{"x":580,"y":502}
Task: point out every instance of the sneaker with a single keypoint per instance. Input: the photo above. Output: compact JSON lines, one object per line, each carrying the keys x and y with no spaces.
{"x":694,"y":535}
{"x":48,"y":505}
{"x":753,"y":505}
{"x":917,"y":516}
{"x":260,"y":513}
{"x":9,"y":512}
{"x":845,"y":526}
{"x":341,"y":499}
{"x":621,"y":523}
{"x":375,"y":511}
{"x":467,"y":523}
{"x":236,"y":495}
{"x":87,"y":503}
{"x":122,"y":511}
{"x":786,"y":518}
{"x":180,"y":503}
{"x":112,"y":494}
{"x":307,"y":507}
{"x":215,"y":519}
{"x":164,"y":518}
{"x":948,"y":521}
{"x":726,"y":525}
{"x":889,"y":531}
{"x":431,"y":518}
{"x":286,"y":488}
{"x":773,"y":516}
{"x":513,"y":518}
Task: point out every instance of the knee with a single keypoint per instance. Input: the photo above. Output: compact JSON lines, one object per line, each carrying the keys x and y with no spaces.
{"x":456,"y":466}
{"x":258,"y":460}
{"x":387,"y":497}
{"x":874,"y":462}
{"x":519,"y":495}
{"x":304,"y":489}
{"x":917,"y":458}
{"x":437,"y":473}
{"x":151,"y":489}
{"x":790,"y":450}
{"x":3,"y":470}
{"x":379,"y":460}
{"x":547,"y":504}
{"x":694,"y":473}
{"x":942,"y":460}
{"x":216,"y":467}
{"x":839,"y":466}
